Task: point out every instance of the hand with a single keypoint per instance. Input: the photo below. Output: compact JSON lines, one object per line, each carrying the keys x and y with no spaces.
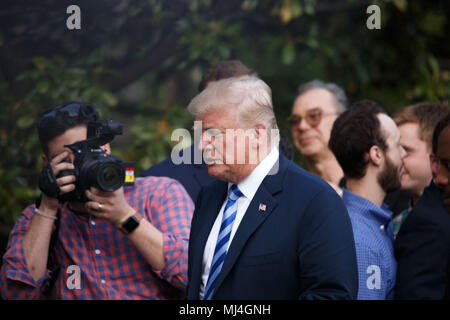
{"x":65,"y":184}
{"x":114,"y":207}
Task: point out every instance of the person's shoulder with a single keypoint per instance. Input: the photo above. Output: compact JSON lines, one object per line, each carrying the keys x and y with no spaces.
{"x":301,"y":179}
{"x":169,"y":168}
{"x":430,"y":209}
{"x":154,"y":184}
{"x":164,"y":167}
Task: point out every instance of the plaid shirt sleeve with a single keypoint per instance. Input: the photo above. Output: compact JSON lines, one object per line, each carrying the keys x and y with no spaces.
{"x":16,"y":282}
{"x":171,"y":212}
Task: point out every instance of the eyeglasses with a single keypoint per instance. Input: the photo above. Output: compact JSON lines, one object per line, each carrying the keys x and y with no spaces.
{"x":71,"y":110}
{"x":312,"y":117}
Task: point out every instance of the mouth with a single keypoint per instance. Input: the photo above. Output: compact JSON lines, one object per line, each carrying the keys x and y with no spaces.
{"x":212,"y":161}
{"x":306,"y":140}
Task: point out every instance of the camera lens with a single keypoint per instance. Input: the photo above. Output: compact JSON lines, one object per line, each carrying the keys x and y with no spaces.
{"x":110,"y":176}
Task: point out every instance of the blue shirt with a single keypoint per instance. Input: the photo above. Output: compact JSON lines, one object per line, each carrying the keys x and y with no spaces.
{"x":374,"y":247}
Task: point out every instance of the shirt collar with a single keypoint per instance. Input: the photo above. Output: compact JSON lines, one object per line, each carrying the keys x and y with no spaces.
{"x":367,"y":208}
{"x":250,"y":184}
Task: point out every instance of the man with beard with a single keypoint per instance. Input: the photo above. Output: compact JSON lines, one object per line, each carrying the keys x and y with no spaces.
{"x":366,"y":143}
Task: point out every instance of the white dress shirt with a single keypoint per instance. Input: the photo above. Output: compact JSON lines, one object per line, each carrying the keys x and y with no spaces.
{"x":248,"y":187}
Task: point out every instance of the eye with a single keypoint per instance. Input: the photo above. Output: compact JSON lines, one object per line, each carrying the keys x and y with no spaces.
{"x":315,"y":115}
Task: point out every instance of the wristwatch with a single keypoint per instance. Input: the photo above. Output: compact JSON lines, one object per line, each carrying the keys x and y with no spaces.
{"x":130,"y":224}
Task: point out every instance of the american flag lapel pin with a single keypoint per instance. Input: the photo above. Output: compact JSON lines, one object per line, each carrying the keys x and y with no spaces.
{"x":262,"y":207}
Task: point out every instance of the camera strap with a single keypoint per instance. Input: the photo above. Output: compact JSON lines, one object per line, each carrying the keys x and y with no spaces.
{"x":47,"y":182}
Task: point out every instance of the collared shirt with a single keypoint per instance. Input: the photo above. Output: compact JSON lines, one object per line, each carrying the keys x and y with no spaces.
{"x":97,"y":261}
{"x":248,"y":187}
{"x":397,"y":221}
{"x":374,"y":247}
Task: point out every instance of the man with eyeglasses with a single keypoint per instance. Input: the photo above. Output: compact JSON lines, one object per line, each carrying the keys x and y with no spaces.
{"x":127,"y":244}
{"x":315,"y":109}
{"x":422,"y":247}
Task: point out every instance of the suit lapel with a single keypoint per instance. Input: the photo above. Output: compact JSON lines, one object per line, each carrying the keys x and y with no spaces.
{"x":253,"y":218}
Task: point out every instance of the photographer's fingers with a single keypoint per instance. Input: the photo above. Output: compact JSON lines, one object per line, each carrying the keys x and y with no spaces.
{"x":97,"y":209}
{"x":61,"y":167}
{"x":60,"y":157}
{"x":67,"y":188}
{"x":66,"y":180}
{"x":103,"y":194}
{"x":66,"y":184}
{"x":94,"y":197}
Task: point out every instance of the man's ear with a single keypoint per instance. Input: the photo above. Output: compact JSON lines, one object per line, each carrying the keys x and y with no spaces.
{"x":260,"y":134}
{"x":376,"y":155}
{"x":433,"y":164}
{"x":106,"y":148}
{"x":44,"y":159}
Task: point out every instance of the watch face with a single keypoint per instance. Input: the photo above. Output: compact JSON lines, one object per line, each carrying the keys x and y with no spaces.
{"x":131,"y":224}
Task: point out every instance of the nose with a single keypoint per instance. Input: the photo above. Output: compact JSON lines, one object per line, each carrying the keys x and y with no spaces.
{"x":303,"y":125}
{"x":402,"y":152}
{"x":205,"y":140}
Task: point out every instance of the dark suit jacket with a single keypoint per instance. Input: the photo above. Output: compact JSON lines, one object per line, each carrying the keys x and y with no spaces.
{"x":301,"y":247}
{"x":192,"y":176}
{"x":422,"y":250}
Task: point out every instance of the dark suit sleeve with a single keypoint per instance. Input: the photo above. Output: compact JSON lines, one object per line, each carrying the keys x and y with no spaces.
{"x":191,"y":294}
{"x":421,"y":254}
{"x":327,"y":255}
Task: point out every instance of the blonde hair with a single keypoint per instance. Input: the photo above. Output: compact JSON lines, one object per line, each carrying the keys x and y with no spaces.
{"x":250,"y":98}
{"x":426,"y":115}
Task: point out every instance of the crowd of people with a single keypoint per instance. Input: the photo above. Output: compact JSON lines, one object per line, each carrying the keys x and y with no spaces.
{"x":368,"y":218}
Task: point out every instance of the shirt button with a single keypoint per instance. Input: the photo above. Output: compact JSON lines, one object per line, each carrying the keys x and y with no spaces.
{"x":382,"y":227}
{"x":97,"y":251}
{"x":93,"y":222}
{"x":103,"y":281}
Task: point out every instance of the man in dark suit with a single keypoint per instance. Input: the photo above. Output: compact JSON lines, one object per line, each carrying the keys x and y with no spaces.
{"x":422,"y":247}
{"x":266,"y":229}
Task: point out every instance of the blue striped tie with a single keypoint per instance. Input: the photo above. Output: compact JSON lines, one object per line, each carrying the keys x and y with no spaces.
{"x":220,"y":252}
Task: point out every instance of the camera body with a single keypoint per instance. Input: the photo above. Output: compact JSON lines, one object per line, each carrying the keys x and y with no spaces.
{"x":93,"y":166}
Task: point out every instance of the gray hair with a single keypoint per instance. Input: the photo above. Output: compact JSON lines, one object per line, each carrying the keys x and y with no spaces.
{"x":340,"y":98}
{"x":250,"y":96}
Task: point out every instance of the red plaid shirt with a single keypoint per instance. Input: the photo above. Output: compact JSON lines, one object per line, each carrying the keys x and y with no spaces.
{"x":97,"y":261}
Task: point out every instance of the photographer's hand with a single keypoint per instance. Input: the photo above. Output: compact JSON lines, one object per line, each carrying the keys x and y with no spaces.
{"x":36,"y":240}
{"x":114,"y":208}
{"x":65,"y":183}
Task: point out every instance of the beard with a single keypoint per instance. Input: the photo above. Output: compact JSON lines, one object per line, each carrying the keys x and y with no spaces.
{"x":389,"y":178}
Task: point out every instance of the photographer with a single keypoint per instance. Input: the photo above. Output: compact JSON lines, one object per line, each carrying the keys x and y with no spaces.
{"x":73,"y":243}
